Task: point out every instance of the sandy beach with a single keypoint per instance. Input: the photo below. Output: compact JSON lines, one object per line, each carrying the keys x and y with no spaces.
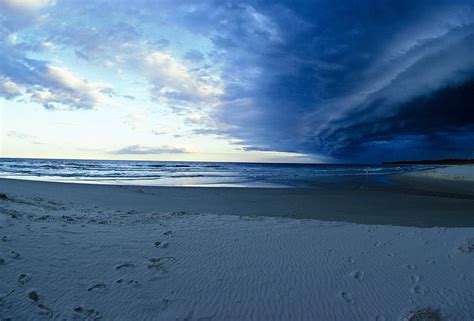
{"x":90,"y":252}
{"x":236,"y":160}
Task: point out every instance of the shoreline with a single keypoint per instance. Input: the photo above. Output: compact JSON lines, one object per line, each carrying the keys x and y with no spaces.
{"x":415,"y":200}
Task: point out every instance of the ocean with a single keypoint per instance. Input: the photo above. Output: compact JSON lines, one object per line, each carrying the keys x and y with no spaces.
{"x":160,"y":173}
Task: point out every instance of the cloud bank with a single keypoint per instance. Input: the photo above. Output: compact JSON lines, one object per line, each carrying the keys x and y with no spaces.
{"x":357,"y":82}
{"x":144,"y":150}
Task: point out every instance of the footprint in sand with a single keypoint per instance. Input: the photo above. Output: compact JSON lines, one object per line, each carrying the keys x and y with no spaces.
{"x":24,"y":278}
{"x":415,"y":279}
{"x":86,"y":313}
{"x":358,"y":275}
{"x":97,"y":287}
{"x":44,"y":310}
{"x":128,"y":282}
{"x":161,"y":245}
{"x":125,"y":266}
{"x":410,"y":266}
{"x":133,"y":283}
{"x":424,"y":314}
{"x":347,"y":297}
{"x":419,"y":289}
{"x":33,"y":295}
{"x":351,"y":260}
{"x":467,"y":247}
{"x":158,"y":263}
{"x":14,"y":255}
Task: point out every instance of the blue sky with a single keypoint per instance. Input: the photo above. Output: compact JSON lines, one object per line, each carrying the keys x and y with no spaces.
{"x":291,"y":81}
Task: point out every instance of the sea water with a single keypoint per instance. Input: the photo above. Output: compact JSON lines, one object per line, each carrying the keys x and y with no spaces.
{"x":165,"y":173}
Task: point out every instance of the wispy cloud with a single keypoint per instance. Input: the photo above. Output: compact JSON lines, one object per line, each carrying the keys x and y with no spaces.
{"x":171,"y":79}
{"x":144,"y":150}
{"x":15,"y":134}
{"x":9,"y":89}
{"x":27,"y":5}
{"x":68,"y":89}
{"x":56,"y":87}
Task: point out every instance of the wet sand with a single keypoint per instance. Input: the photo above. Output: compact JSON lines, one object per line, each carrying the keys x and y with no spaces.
{"x":409,"y":203}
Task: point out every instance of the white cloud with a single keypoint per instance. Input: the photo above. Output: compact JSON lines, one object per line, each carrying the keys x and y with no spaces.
{"x":263,"y":23}
{"x":47,"y":45}
{"x":19,"y":135}
{"x":166,"y":128}
{"x":12,"y":38}
{"x":9,"y":89}
{"x":27,"y":5}
{"x":171,"y":78}
{"x":144,"y":150}
{"x":135,"y":121}
{"x":59,"y":86}
{"x":199,"y":119}
{"x":70,"y":90}
{"x":136,"y":117}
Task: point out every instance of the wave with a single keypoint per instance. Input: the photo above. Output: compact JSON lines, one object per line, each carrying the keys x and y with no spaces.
{"x":172,"y":173}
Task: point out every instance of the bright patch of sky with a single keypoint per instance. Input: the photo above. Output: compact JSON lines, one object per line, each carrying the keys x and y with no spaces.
{"x":144,"y":89}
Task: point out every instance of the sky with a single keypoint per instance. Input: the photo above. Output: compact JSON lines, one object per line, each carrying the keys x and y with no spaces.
{"x":216,"y":80}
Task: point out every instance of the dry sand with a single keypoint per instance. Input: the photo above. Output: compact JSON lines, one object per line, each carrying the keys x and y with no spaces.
{"x":456,"y":173}
{"x":89,"y":252}
{"x":448,"y":180}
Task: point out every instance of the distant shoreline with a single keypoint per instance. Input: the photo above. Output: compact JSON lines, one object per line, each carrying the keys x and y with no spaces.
{"x":433,"y":162}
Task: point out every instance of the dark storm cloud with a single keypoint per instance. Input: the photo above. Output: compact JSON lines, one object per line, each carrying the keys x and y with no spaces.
{"x":350,"y":79}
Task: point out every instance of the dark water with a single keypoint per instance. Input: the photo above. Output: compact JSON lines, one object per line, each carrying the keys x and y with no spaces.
{"x":156,"y":173}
